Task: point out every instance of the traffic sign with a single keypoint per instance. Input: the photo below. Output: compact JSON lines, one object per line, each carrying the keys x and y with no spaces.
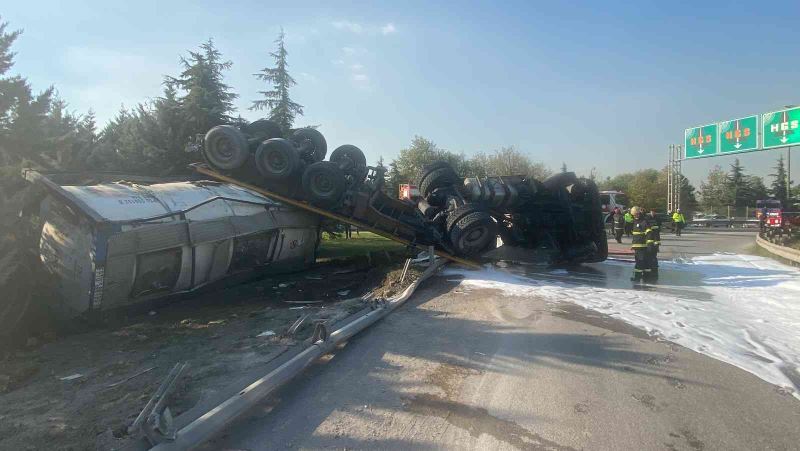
{"x":701,"y":141}
{"x":781,"y":128}
{"x":738,"y":135}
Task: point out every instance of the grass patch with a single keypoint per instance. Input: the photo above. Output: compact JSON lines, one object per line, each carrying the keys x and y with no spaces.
{"x":361,"y":244}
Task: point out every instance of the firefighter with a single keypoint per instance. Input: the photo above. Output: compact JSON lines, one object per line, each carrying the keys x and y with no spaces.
{"x":653,"y":241}
{"x":628,"y":223}
{"x":641,"y":229}
{"x":679,"y":221}
{"x":619,"y":224}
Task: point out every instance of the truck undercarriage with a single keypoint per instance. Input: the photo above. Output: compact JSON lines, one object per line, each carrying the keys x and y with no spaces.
{"x":463,"y":216}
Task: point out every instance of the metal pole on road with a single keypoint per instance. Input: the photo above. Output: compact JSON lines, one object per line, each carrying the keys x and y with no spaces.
{"x":789,"y":175}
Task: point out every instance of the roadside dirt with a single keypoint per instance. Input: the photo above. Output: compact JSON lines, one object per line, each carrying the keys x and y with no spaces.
{"x":82,"y":391}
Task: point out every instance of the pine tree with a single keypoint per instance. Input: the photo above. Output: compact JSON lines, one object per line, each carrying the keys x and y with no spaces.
{"x":282,"y":109}
{"x":563,"y":167}
{"x":206,"y":101}
{"x":739,"y":188}
{"x":778,"y":187}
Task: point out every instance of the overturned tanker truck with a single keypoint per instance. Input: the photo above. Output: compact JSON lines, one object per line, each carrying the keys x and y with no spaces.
{"x":560,"y":215}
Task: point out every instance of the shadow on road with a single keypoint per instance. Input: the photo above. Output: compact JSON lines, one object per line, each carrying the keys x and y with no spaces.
{"x":365,"y":379}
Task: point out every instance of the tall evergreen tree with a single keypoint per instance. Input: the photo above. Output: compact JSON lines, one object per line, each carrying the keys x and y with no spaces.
{"x":281,"y":107}
{"x":739,"y":188}
{"x":206,"y":100}
{"x":778,"y":187}
{"x":23,"y":114}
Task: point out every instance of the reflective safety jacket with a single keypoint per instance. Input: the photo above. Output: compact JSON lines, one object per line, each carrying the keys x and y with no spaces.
{"x":655,"y":230}
{"x":628,"y":217}
{"x":678,"y":217}
{"x":642,"y":233}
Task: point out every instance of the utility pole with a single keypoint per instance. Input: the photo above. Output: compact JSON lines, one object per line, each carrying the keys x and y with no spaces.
{"x":789,"y":175}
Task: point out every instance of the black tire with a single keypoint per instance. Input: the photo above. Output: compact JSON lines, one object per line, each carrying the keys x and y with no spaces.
{"x":263,"y":129}
{"x":310,"y":144}
{"x":277,"y":159}
{"x":225,"y":148}
{"x":428,"y":168}
{"x":323,"y":183}
{"x":352,"y":160}
{"x":438,"y":178}
{"x":473,"y":232}
{"x":560,"y":180}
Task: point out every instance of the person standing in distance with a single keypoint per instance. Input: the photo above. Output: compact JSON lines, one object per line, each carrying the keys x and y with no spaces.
{"x":679,"y":221}
{"x":618,"y":220}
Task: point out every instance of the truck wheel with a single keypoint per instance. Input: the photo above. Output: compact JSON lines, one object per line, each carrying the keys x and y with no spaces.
{"x":473,"y":233}
{"x":277,"y":160}
{"x":443,"y":176}
{"x":225,"y":147}
{"x":310,"y":144}
{"x":323,"y":183}
{"x":428,"y":168}
{"x":352,"y":160}
{"x":262,"y":129}
{"x":560,"y":180}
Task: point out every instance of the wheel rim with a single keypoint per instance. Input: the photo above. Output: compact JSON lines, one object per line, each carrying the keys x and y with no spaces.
{"x":322,"y":185}
{"x":474,"y":238}
{"x":223,"y":149}
{"x":277,"y":162}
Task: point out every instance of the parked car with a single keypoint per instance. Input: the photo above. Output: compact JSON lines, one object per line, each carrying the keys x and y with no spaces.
{"x":711,"y":220}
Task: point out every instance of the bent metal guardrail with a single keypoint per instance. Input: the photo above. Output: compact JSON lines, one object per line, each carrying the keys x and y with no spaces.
{"x":782,"y":251}
{"x":215,"y":420}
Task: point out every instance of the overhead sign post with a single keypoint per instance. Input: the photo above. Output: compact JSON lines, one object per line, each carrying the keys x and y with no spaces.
{"x":781,"y":128}
{"x":701,"y":141}
{"x":738,"y":135}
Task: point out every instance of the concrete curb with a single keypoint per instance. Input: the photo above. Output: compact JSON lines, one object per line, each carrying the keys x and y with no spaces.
{"x":781,"y":251}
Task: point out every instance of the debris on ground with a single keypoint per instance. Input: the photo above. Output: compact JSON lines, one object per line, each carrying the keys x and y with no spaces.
{"x":110,"y":370}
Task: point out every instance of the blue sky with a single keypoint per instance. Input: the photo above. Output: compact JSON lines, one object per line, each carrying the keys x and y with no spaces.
{"x":606,"y":85}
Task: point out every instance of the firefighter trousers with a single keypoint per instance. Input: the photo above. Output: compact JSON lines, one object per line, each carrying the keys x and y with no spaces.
{"x":641,"y":259}
{"x":652,"y":263}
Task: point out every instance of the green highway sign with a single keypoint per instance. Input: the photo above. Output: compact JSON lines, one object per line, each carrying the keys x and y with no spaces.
{"x":701,"y":141}
{"x":781,"y":128}
{"x":738,"y":135}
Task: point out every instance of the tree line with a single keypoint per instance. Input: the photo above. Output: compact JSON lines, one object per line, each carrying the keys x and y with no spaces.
{"x":39,"y":130}
{"x":737,"y":189}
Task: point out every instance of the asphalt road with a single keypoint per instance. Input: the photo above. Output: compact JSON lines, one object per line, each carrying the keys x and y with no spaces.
{"x":700,"y":241}
{"x":471,"y":369}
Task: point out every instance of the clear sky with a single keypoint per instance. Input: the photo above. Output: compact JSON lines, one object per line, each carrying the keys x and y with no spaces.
{"x":606,"y":85}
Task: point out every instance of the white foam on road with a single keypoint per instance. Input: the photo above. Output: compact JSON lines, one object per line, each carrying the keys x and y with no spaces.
{"x":747,"y":312}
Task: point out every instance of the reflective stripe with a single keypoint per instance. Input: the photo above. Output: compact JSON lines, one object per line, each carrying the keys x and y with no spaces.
{"x":637,"y":270}
{"x":657,"y":242}
{"x":650,"y":241}
{"x":647,"y":270}
{"x":648,"y":230}
{"x":655,"y":227}
{"x":638,"y":233}
{"x":639,"y":246}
